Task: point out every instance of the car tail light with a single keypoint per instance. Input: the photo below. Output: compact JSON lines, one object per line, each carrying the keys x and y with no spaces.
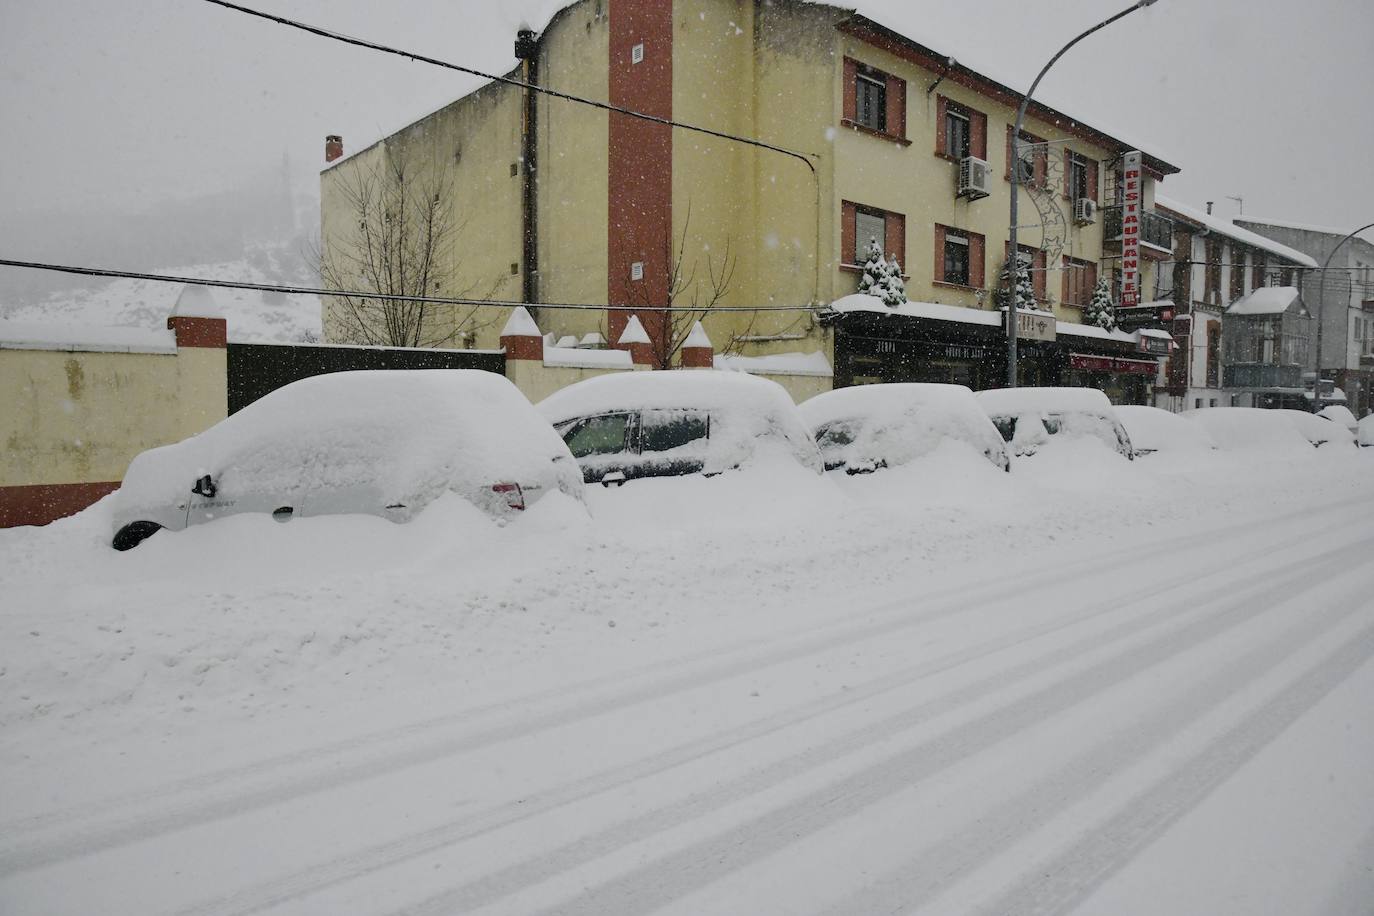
{"x":515,"y":497}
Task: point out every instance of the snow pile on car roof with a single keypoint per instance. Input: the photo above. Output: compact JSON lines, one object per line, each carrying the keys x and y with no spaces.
{"x":1340,"y":415}
{"x":1012,"y":402}
{"x":747,"y":413}
{"x":1251,"y":429}
{"x":900,"y":422}
{"x":1154,"y":430}
{"x":405,"y":435}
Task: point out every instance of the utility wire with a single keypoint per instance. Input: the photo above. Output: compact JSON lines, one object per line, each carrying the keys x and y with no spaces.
{"x":388,"y":297}
{"x":510,"y":81}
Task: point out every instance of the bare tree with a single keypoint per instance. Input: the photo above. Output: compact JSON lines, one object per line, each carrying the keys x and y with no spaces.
{"x":403,"y":247}
{"x":691,"y":297}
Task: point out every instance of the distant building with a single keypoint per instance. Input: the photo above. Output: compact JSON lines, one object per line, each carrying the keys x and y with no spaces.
{"x":1345,"y":301}
{"x":1218,"y":266}
{"x":897,"y":144}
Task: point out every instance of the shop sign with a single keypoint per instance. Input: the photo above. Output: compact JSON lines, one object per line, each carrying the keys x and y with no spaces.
{"x":1158,"y":346}
{"x":960,"y":352}
{"x":1035,"y":325}
{"x":1131,"y":200}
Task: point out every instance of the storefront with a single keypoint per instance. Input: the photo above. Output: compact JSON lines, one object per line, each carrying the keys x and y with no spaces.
{"x":927,"y":342}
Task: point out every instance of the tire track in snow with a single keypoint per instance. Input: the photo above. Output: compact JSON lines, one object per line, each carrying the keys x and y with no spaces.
{"x":205,"y":799}
{"x":920,"y":879}
{"x":1059,"y":886}
{"x":678,"y":873}
{"x":383,"y":855}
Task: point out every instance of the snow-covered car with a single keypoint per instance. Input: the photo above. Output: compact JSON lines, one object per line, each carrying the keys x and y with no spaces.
{"x":661,"y":424}
{"x":1028,"y":417}
{"x":1268,"y":430}
{"x":1154,"y":430}
{"x":1318,"y":430}
{"x":383,"y":443}
{"x":1365,"y":434}
{"x":867,"y":427}
{"x":1341,"y":416}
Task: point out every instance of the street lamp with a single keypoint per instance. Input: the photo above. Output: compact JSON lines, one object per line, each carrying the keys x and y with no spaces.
{"x":1013,"y":255}
{"x":1321,"y":308}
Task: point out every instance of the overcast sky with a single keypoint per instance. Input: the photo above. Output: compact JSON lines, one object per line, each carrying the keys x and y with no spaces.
{"x":109,"y":104}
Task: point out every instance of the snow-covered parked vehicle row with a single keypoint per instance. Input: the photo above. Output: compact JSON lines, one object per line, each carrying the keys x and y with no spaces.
{"x":1153,"y":429}
{"x":867,"y":427}
{"x":663,"y":424}
{"x":1027,"y":418}
{"x":383,"y":443}
{"x":1272,"y":431}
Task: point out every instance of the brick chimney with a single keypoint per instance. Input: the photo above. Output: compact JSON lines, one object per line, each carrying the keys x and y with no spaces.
{"x":333,"y":147}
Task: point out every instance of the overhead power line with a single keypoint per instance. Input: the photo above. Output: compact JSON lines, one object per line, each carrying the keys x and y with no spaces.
{"x":386,"y":297}
{"x":511,"y":81}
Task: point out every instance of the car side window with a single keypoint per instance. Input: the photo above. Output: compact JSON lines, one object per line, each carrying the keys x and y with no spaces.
{"x":1051,"y":422}
{"x":603,"y":435}
{"x":1006,"y":426}
{"x":665,"y":430}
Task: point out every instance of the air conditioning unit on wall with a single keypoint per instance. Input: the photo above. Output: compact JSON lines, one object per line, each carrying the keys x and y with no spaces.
{"x":1085,"y":211}
{"x":974,"y":178}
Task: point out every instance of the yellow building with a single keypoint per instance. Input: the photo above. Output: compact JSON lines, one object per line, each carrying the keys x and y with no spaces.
{"x":870,"y":136}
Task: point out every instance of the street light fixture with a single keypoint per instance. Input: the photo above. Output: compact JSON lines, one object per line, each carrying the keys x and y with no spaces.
{"x":1321,"y":308}
{"x":1013,"y":255}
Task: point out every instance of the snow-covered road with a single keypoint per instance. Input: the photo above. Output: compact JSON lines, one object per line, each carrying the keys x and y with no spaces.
{"x":1169,"y":719}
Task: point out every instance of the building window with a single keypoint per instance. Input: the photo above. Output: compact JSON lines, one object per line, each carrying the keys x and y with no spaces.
{"x":1212,"y":273}
{"x":1080,"y":177}
{"x":1035,"y":261}
{"x":874,"y":100}
{"x":958,"y":257}
{"x":1237,"y":272}
{"x":870,"y":102}
{"x":862,"y":225}
{"x":1080,"y":278}
{"x":869,"y":227}
{"x":1034,"y":164}
{"x":956,"y":134}
{"x":960,"y":131}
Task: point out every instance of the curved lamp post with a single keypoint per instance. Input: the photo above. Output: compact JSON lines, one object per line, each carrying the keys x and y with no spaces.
{"x":1013,"y":255}
{"x":1321,"y":308}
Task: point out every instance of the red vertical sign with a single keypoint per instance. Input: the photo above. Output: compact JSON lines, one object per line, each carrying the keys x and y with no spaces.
{"x":1131,"y":196}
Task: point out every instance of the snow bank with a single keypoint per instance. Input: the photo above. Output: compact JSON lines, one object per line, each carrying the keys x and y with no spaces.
{"x":49,"y":335}
{"x":1240,"y":429}
{"x":336,"y":442}
{"x":748,"y":414}
{"x":861,"y":426}
{"x":585,"y":358}
{"x":813,"y":364}
{"x":1366,"y":430}
{"x":1154,"y":430}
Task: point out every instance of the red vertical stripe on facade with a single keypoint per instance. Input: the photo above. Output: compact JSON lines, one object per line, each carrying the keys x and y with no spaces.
{"x":640,"y":159}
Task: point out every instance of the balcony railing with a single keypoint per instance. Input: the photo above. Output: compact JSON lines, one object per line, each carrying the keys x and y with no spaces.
{"x":1155,"y":229}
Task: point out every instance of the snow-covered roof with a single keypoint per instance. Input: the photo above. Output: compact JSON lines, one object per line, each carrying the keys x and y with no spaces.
{"x":567,"y":340}
{"x":39,"y":335}
{"x":1290,"y":224}
{"x":1230,"y":230}
{"x":592,"y":339}
{"x":584,"y":358}
{"x":697,"y":339}
{"x":196,"y":301}
{"x":862,"y":302}
{"x":1267,"y":300}
{"x":1155,"y":332}
{"x":1075,"y":329}
{"x":520,"y":324}
{"x":777,"y":364}
{"x":634,"y":332}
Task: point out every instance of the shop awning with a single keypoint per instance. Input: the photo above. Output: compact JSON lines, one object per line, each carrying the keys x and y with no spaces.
{"x":1092,"y":362}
